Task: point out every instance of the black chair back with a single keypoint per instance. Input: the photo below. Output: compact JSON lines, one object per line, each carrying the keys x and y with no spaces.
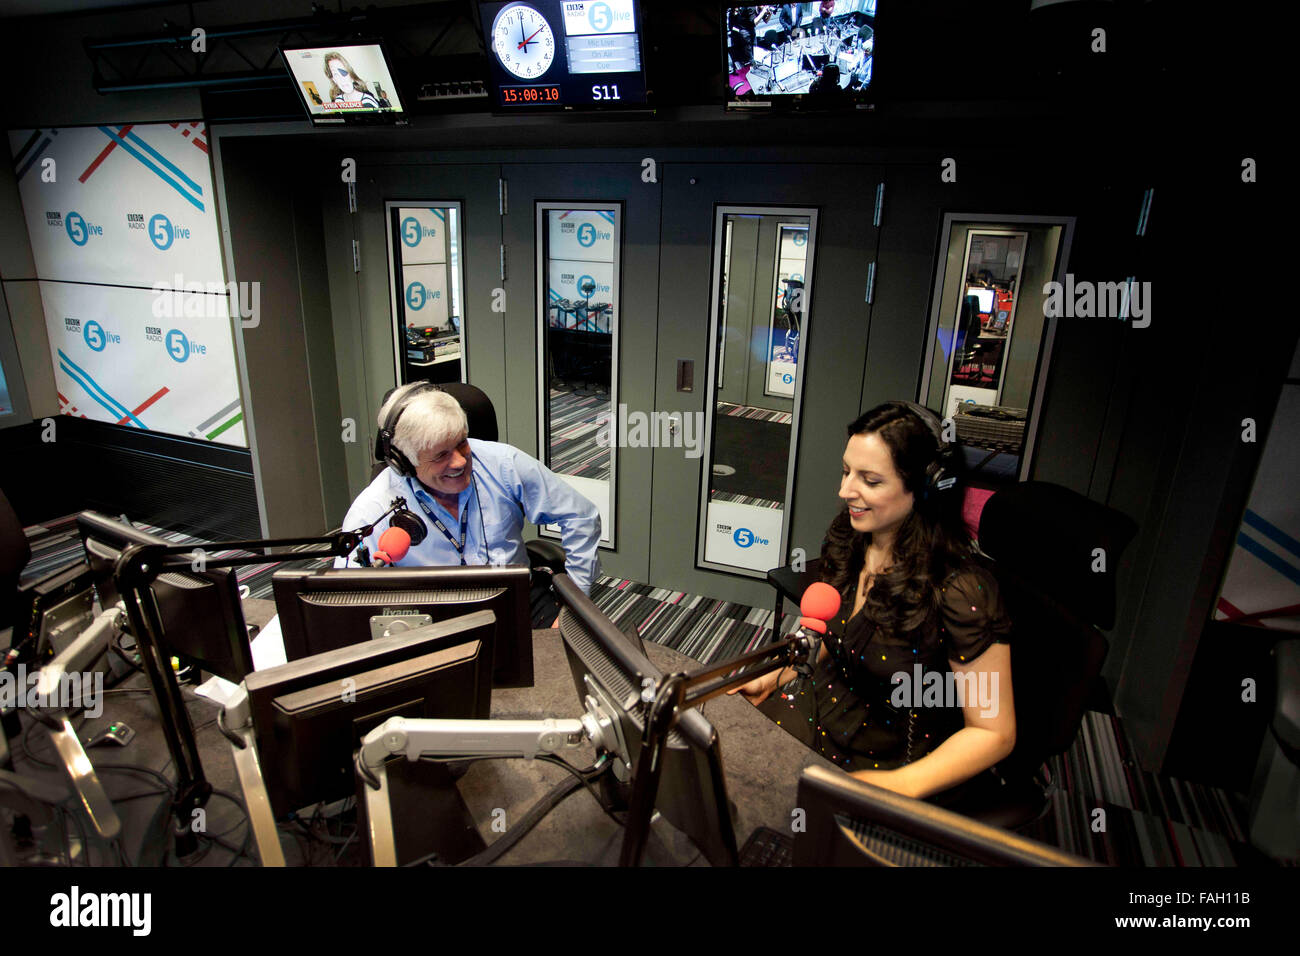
{"x":1058,"y":588}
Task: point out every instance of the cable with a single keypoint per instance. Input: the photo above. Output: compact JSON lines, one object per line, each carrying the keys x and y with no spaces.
{"x":595,"y":772}
{"x":534,"y":816}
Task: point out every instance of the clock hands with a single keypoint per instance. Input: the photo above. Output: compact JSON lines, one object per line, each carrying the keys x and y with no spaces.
{"x":529,"y":40}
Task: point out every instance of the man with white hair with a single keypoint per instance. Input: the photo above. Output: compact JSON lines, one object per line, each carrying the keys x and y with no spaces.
{"x":472,"y":496}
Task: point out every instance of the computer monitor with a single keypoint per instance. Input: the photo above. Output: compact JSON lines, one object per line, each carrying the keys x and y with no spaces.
{"x":851,"y":823}
{"x":200,"y":611}
{"x":310,"y":715}
{"x":985,"y":297}
{"x":51,"y":612}
{"x":332,"y":608}
{"x":341,"y":85}
{"x":608,"y":665}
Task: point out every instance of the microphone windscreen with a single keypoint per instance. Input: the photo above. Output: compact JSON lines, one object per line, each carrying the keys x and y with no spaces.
{"x":820,"y":600}
{"x":409,"y":522}
{"x":395,"y":542}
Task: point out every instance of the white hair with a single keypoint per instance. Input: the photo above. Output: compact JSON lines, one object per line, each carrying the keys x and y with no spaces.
{"x":432,"y":418}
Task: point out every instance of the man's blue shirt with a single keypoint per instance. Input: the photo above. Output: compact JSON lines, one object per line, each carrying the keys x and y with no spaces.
{"x":509,"y":487}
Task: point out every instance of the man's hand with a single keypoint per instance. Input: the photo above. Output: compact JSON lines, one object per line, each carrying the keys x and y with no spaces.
{"x":759,"y":689}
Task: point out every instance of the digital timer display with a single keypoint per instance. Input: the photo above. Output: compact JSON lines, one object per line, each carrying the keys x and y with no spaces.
{"x":511,"y":95}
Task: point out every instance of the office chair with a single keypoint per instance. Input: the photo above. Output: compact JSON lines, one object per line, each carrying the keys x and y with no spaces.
{"x":1041,"y":538}
{"x":482,"y":418}
{"x":1044,"y":540}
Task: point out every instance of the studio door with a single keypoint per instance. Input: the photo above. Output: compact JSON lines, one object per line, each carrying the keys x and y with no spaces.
{"x":580,"y":266}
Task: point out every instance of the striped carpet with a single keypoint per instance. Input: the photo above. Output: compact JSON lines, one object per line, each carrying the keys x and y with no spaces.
{"x":715,"y":495}
{"x":1150,"y":820}
{"x":759,"y":414}
{"x":575,"y":420}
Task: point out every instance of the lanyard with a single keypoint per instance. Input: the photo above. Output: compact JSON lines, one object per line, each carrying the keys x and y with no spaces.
{"x":464,"y":523}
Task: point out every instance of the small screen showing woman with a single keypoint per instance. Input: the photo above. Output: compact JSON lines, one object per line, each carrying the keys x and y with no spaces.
{"x":346,"y":88}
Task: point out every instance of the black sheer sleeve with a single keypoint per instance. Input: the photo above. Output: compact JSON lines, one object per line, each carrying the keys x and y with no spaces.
{"x":972,"y":615}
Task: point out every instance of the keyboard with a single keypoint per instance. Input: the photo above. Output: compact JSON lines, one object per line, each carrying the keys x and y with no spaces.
{"x":768,"y":847}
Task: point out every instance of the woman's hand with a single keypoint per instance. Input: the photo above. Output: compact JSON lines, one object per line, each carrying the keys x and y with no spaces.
{"x":759,"y":689}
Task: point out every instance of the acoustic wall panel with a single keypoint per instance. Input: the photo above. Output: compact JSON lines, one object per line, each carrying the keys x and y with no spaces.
{"x":124,"y":235}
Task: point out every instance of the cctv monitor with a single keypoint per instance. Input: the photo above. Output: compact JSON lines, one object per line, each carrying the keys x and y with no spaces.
{"x":811,"y":56}
{"x":608,"y":665}
{"x":310,"y":715}
{"x":344,"y":85}
{"x":200,"y":612}
{"x":851,"y":823}
{"x":332,"y":608}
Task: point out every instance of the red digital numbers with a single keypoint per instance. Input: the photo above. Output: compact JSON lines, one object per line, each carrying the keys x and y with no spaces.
{"x":530,"y":94}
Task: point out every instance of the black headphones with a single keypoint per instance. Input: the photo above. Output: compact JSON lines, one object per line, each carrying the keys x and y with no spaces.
{"x":941,"y":472}
{"x":385,"y":449}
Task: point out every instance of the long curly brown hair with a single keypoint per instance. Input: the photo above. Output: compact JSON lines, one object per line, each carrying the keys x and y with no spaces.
{"x":930,"y":544}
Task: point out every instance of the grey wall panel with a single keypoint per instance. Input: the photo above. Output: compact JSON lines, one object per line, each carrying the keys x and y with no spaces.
{"x":355,"y":402}
{"x":27,"y":319}
{"x":322,"y":370}
{"x":260,"y":189}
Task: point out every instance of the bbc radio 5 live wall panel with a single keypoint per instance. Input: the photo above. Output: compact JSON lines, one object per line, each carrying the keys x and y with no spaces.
{"x":131,"y":209}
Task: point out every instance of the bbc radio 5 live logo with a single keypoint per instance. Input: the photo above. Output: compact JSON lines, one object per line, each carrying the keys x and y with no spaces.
{"x":413,"y":232}
{"x":179,"y":345}
{"x":417,"y":295}
{"x":743,"y":537}
{"x":162,"y":231}
{"x":601,"y":16}
{"x":585,"y":232}
{"x":92,"y":333}
{"x":79,"y":230}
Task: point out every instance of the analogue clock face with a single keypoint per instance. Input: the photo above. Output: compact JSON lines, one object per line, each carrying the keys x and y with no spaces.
{"x":523,"y":41}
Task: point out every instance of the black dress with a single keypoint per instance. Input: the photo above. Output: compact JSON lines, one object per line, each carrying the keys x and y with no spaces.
{"x":852,"y":715}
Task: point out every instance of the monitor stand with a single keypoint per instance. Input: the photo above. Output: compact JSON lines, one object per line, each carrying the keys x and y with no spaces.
{"x":430,"y":818}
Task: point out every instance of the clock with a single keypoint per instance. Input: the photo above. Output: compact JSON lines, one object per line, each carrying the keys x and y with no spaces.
{"x":523,"y":41}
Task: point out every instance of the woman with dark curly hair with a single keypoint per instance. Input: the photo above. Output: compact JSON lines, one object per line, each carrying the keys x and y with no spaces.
{"x":912,"y":691}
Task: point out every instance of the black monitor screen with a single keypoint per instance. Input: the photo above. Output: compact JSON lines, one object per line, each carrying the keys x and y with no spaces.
{"x":344,"y":84}
{"x":610,"y":665}
{"x":820,"y":54}
{"x":565,"y":53}
{"x":328,"y":609}
{"x":200,"y":611}
{"x":310,"y":715}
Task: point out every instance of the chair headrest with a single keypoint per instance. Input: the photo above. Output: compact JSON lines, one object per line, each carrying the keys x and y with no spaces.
{"x":1050,"y":536}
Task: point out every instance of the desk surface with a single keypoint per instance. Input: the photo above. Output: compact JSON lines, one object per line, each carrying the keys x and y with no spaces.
{"x":761,"y":762}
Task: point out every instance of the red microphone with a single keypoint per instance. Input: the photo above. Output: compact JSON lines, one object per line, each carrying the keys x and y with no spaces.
{"x":820,"y":603}
{"x":392,"y":547}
